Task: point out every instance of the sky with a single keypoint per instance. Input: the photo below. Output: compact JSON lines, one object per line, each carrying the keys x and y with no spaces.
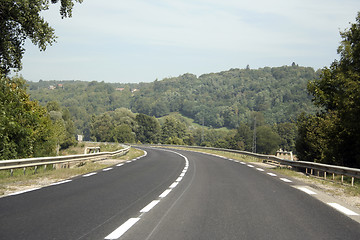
{"x":132,"y":41}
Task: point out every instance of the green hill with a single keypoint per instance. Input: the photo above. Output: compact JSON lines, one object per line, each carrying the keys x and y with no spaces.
{"x":223,"y":99}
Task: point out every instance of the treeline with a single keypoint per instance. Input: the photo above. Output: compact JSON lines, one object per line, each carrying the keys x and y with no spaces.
{"x":216,"y":100}
{"x":332,"y":135}
{"x":228,"y":98}
{"x":28,"y":129}
{"x":122,"y":125}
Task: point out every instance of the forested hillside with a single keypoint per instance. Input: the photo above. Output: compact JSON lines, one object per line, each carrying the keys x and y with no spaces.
{"x":227,"y":98}
{"x":223,"y":99}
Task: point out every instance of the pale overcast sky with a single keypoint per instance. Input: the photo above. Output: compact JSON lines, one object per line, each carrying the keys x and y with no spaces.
{"x":143,"y":40}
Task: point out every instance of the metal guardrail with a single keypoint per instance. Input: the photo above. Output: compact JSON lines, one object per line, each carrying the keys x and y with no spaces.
{"x":307,"y":166}
{"x":44,"y":161}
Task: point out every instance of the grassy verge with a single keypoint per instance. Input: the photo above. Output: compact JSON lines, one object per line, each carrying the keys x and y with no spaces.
{"x":43,"y":177}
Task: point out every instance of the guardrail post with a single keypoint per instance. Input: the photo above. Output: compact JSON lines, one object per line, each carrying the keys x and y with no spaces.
{"x":11,"y":172}
{"x":342,"y":179}
{"x":24,"y":170}
{"x":325,"y":175}
{"x":352,"y":181}
{"x":333,"y":176}
{"x":35,"y":169}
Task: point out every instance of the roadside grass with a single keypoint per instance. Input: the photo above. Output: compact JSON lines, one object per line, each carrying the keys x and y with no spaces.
{"x":42,"y":177}
{"x":80,"y":148}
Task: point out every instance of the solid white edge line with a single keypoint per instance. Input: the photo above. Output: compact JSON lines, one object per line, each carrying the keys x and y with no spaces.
{"x":165,"y":193}
{"x":89,"y":174}
{"x":306,"y":190}
{"x":107,"y":169}
{"x":285,"y":180}
{"x":149,"y":206}
{"x":343,"y":209}
{"x":117,"y":233}
{"x":57,"y":183}
{"x":24,"y":191}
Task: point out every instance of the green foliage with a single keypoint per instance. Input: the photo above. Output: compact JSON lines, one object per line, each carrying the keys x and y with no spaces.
{"x":64,"y":129}
{"x":21,"y":20}
{"x":172,"y":131}
{"x":287,"y":132}
{"x":335,"y":136}
{"x":224,"y":99}
{"x":148,"y":130}
{"x":25,"y":127}
{"x":243,"y":138}
{"x":123,"y":134}
{"x":267,"y":141}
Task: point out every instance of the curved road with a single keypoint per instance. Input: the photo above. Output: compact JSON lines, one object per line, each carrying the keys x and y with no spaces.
{"x":169,"y":195}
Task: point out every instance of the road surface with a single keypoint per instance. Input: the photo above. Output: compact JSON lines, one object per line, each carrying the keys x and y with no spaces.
{"x":173,"y":194}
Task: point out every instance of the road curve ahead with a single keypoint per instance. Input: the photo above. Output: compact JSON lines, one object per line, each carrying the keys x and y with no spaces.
{"x":224,"y":199}
{"x":173,"y":194}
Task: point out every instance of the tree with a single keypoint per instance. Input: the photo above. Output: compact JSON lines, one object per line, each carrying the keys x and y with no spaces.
{"x":172,"y":130}
{"x":21,"y":20}
{"x":25,"y":127}
{"x":101,"y":128}
{"x":287,"y":132}
{"x":243,"y":138}
{"x":267,"y":141}
{"x":148,"y":130}
{"x":337,"y":94}
{"x":123,"y":134}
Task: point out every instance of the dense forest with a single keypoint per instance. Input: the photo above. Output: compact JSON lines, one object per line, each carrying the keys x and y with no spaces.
{"x":288,"y":107}
{"x":216,"y":100}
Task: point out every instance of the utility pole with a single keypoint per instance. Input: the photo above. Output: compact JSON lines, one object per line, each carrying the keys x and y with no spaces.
{"x":202,"y":130}
{"x":254,"y":137}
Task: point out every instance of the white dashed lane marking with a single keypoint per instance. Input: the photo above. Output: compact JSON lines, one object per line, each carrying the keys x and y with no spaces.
{"x":343,"y":209}
{"x":24,"y":191}
{"x":306,"y":190}
{"x":107,"y":169}
{"x":173,"y":185}
{"x":130,"y":222}
{"x":89,"y":174}
{"x":165,"y":193}
{"x":285,"y":180}
{"x":149,"y":206}
{"x":62,"y":182}
{"x":272,"y":174}
{"x":117,"y":233}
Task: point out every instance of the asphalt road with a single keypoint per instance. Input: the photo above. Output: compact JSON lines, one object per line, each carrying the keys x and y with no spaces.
{"x":168,"y":196}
